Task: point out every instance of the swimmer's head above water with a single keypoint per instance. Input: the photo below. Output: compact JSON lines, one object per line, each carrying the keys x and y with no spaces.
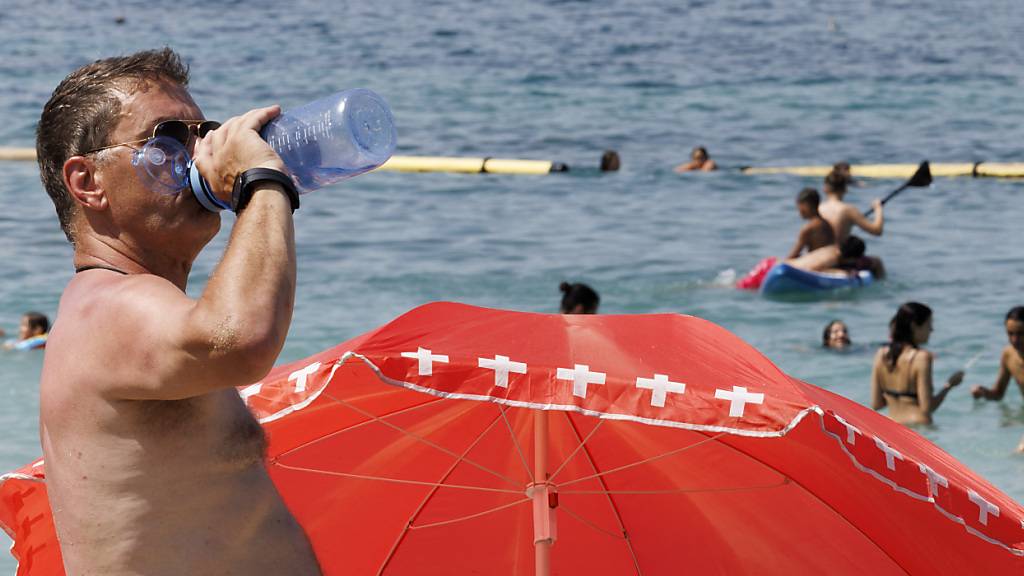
{"x":836,"y":335}
{"x":578,"y":298}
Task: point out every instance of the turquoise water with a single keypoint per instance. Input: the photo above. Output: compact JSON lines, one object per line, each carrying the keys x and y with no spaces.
{"x":757,"y":82}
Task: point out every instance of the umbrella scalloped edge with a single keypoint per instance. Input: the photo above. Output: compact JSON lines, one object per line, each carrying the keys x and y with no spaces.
{"x":933,"y":479}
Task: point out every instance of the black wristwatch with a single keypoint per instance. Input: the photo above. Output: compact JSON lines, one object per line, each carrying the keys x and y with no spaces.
{"x":244,"y":182}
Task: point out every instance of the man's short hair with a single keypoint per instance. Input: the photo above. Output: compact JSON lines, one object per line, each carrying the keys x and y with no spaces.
{"x":836,"y":181}
{"x":37,"y":321}
{"x":85,"y":108}
{"x":810,"y":197}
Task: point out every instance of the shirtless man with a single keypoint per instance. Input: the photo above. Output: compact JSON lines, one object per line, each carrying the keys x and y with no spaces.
{"x":1011,"y":364}
{"x":699,"y":162}
{"x":842,"y":216}
{"x":154,"y":465}
{"x":816,"y":233}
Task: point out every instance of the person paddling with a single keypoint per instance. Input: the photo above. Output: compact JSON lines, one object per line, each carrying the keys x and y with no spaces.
{"x":843,"y":216}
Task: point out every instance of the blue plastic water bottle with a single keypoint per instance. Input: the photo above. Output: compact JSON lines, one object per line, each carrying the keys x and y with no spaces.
{"x":323,"y":142}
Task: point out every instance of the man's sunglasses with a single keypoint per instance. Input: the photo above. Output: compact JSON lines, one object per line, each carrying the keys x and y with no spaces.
{"x":180,"y":130}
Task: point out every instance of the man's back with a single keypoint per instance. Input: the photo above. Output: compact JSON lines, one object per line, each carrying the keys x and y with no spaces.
{"x":152,"y":486}
{"x":843,"y":217}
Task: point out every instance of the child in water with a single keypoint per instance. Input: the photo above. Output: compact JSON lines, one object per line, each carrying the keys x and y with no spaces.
{"x":31,"y":332}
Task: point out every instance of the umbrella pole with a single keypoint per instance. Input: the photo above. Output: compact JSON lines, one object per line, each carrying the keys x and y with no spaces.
{"x":542,"y":547}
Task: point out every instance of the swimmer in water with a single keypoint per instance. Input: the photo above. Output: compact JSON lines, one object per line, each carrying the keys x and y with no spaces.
{"x":31,"y":332}
{"x":836,"y":336}
{"x":901,"y":379}
{"x":699,"y":162}
{"x":578,"y":299}
{"x":1011,"y":362}
{"x":610,"y":161}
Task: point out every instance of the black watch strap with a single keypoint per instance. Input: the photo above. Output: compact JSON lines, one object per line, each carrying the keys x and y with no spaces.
{"x":245,"y":182}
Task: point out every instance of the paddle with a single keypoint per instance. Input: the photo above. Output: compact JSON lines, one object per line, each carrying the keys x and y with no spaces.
{"x":920,"y":179}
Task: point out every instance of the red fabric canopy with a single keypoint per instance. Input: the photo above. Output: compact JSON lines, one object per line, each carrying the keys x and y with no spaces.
{"x":453,"y":439}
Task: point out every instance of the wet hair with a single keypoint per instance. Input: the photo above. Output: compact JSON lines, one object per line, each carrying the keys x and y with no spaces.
{"x":85,"y":108}
{"x":852,"y":247}
{"x":828,"y":330}
{"x":901,"y":329}
{"x":837,"y":181}
{"x":574,"y":295}
{"x":810,"y":197}
{"x":1016,"y":314}
{"x":841,"y":168}
{"x":610,"y":161}
{"x":37,"y":320}
{"x":701,"y":149}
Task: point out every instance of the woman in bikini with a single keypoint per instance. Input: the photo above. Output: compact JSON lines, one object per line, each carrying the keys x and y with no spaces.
{"x":902,"y":375}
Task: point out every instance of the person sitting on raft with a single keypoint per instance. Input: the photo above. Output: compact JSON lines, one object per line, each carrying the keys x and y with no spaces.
{"x":847,"y":257}
{"x":836,"y":336}
{"x":31,"y":332}
{"x":816,"y":233}
{"x":901,"y":378}
{"x":1011,"y":363}
{"x":843,"y":216}
{"x":578,"y":299}
{"x":699,"y":162}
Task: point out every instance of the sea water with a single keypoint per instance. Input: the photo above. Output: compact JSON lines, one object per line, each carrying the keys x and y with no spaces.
{"x":756,"y":82}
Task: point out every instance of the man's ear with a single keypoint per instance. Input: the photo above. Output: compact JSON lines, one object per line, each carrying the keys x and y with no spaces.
{"x":81,"y":182}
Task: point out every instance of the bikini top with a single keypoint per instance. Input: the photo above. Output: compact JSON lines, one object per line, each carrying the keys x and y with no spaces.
{"x":894,"y":393}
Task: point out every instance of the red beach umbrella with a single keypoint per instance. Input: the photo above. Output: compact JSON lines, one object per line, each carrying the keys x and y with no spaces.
{"x":461,"y":440}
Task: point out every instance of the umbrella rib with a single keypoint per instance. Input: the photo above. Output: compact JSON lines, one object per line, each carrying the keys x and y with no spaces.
{"x":470,"y":516}
{"x":565,"y":462}
{"x":644,"y":461}
{"x":785,"y":481}
{"x":423,"y":504}
{"x":515,"y":442}
{"x":423,"y":440}
{"x":355,"y":426}
{"x":590,"y":524}
{"x":611,"y":503}
{"x":393,"y":480}
{"x":815,"y":496}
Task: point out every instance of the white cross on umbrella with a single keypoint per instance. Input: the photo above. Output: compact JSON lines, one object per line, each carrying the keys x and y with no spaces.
{"x":738,"y":399}
{"x":659,"y":386}
{"x":581,"y":377}
{"x":502,"y":365}
{"x":426,"y":360}
{"x":891,"y":455}
{"x":984,"y":506}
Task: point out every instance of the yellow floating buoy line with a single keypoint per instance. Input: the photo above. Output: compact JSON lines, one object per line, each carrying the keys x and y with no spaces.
{"x":901,"y":171}
{"x":487,"y":165}
{"x":17,"y":153}
{"x":471,"y":165}
{"x":409,"y":163}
